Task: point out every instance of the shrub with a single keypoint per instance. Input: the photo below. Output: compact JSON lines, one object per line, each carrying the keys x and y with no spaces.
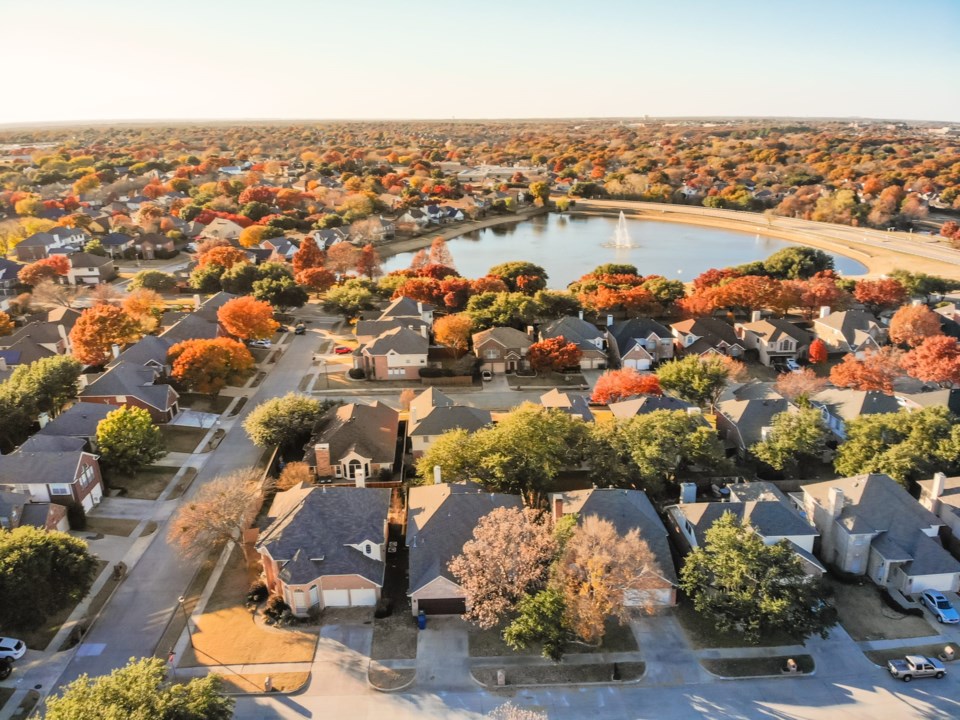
{"x":429,"y":372}
{"x":892,"y":603}
{"x":356,"y":373}
{"x":77,"y":517}
{"x":276,"y":608}
{"x":257,"y":592}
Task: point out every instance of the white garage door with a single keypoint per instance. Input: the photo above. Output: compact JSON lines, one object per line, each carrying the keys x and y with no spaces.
{"x":363,"y":597}
{"x":336,"y":598}
{"x":637,"y":364}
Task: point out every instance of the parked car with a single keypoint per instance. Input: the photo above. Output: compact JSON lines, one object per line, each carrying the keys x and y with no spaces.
{"x":486,"y":375}
{"x":793,"y":365}
{"x":342,"y":350}
{"x":12,"y":648}
{"x":260,"y":344}
{"x":282,"y":329}
{"x":299,"y":329}
{"x":916,"y":666}
{"x":941,"y":608}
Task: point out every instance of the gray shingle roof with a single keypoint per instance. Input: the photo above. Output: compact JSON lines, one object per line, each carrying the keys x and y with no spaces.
{"x":769,"y":518}
{"x":312,"y":538}
{"x":627,"y":332}
{"x":773,"y":329}
{"x":53,"y":443}
{"x":575,"y":330}
{"x":508,"y":337}
{"x":647,"y":404}
{"x":150,"y":348}
{"x":440,"y":519}
{"x":79,"y":420}
{"x":370,"y":430}
{"x":368,"y":330}
{"x":849,"y":404}
{"x":751,"y":416}
{"x":134,"y":380}
{"x":405,"y":307}
{"x":192,"y":327}
{"x":570,"y":403}
{"x":849,"y":323}
{"x":402,"y":341}
{"x":31,"y":468}
{"x":451,"y":417}
{"x":711,"y":330}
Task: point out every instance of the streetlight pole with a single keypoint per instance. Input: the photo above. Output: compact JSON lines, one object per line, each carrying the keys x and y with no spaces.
{"x":186,"y":618}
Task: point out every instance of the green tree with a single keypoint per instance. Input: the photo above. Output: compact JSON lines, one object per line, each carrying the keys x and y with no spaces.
{"x":752,"y":589}
{"x":47,"y":383}
{"x":140,"y":691}
{"x":283,"y":293}
{"x":95,"y":247}
{"x":41,"y":573}
{"x":128,"y":439}
{"x":237,"y":280}
{"x":541,"y":618}
{"x":510,"y":309}
{"x":348,"y":299}
{"x":540,"y":191}
{"x":797,"y":263}
{"x":904,"y":445}
{"x":206,"y":279}
{"x":697,"y":380}
{"x":286,"y":421}
{"x":795,"y":438}
{"x":153,"y":280}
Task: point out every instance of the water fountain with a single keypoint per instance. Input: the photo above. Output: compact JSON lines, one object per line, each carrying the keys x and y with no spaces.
{"x":621,"y":236}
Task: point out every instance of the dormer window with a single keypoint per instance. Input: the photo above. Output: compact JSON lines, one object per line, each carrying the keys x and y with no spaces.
{"x":367,"y":548}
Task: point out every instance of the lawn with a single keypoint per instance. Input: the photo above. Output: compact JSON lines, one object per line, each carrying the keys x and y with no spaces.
{"x":394,"y":637}
{"x":865,"y":616}
{"x":183,"y":483}
{"x":489,"y":643}
{"x":226,"y":633}
{"x":756,"y":667}
{"x":180,"y":438}
{"x":703,"y":633}
{"x":204,"y":403}
{"x":111,"y":526}
{"x":560,"y":674}
{"x":146,"y":484}
{"x":281,"y":682}
{"x":880,"y":657}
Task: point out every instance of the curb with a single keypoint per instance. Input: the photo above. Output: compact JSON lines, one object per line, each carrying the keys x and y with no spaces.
{"x":272,"y":693}
{"x":608,"y":683}
{"x":401,"y":688}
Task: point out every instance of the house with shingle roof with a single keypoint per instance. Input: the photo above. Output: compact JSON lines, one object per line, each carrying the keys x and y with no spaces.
{"x":149,"y":351}
{"x":849,"y":331}
{"x":838,"y":406}
{"x":18,"y":510}
{"x":640,"y":343}
{"x":192,"y":326}
{"x":440,"y":520}
{"x":116,"y":243}
{"x":80,"y":420}
{"x":354,"y":442}
{"x":88,"y":269}
{"x":774,"y":339}
{"x":870,"y":525}
{"x":628,"y":510}
{"x":52,"y":337}
{"x":572,"y":404}
{"x":502,"y":349}
{"x":129,"y":384}
{"x":9,"y":270}
{"x":591,"y":341}
{"x":404,"y":307}
{"x":706,"y":336}
{"x":326,"y":546}
{"x":441,"y":419}
{"x":644,"y":404}
{"x":743,"y":423}
{"x":60,"y":240}
{"x":68,"y":477}
{"x":369,"y":330}
{"x":941,"y":496}
{"x":397,"y":354}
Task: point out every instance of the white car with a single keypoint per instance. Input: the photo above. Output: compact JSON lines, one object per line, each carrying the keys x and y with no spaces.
{"x":12,"y":648}
{"x":941,"y":608}
{"x":792,"y":365}
{"x":260,"y":344}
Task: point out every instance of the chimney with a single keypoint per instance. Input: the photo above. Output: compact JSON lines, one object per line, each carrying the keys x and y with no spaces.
{"x":436,"y":475}
{"x":939,"y":484}
{"x":530,"y":331}
{"x":755,"y":316}
{"x":413,"y":416}
{"x":824,"y":310}
{"x":835,"y":502}
{"x":423,"y":331}
{"x":557,"y":508}
{"x":419,"y":307}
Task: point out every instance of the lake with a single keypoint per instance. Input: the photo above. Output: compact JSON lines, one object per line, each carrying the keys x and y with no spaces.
{"x":567,"y":246}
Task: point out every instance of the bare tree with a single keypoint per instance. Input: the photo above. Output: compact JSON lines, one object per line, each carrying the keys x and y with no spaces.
{"x":799,"y":386}
{"x":106,"y":294}
{"x":523,"y":547}
{"x":293,"y":474}
{"x":51,"y":294}
{"x":219,"y":513}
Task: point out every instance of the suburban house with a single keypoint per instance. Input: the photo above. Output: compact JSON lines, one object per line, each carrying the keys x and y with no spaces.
{"x":43,"y":244}
{"x":222,"y":229}
{"x":376,"y":228}
{"x":643,"y":404}
{"x":743,"y":423}
{"x":329,"y":237}
{"x":628,"y":510}
{"x":415,"y":217}
{"x":326,"y":546}
{"x":948,"y":398}
{"x":17,"y":510}
{"x":841,"y":405}
{"x":154,"y":245}
{"x":848,"y":331}
{"x":774,"y":339}
{"x":354,"y":442}
{"x":397,"y":354}
{"x":149,"y":351}
{"x":87,"y":269}
{"x":574,"y":405}
{"x":502,"y":349}
{"x":80,"y":420}
{"x":9,"y":270}
{"x":591,"y":341}
{"x":440,"y":520}
{"x":65,"y":477}
{"x":424,"y":431}
{"x":941,"y":496}
{"x":369,"y":330}
{"x":640,"y":343}
{"x":707,"y":335}
{"x":116,"y":243}
{"x":404,"y":307}
{"x":192,"y":326}
{"x":129,"y":384}
{"x":54,"y":337}
{"x":760,"y":505}
{"x":870,"y":525}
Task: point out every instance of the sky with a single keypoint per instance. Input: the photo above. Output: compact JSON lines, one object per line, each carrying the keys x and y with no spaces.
{"x":440,"y":59}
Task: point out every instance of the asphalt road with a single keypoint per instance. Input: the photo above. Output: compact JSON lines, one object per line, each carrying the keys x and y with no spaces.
{"x":134,"y":621}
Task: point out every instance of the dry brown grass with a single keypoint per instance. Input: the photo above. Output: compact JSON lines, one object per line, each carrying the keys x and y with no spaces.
{"x":226,"y":633}
{"x":560,"y":674}
{"x":282,"y":682}
{"x":880,"y":657}
{"x":865,"y":616}
{"x":145,"y":484}
{"x":179,"y":438}
{"x":111,"y":526}
{"x":384,"y":678}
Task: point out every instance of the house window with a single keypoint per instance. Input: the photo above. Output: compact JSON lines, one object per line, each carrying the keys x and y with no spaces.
{"x":491,"y":354}
{"x":59,"y":489}
{"x":299,"y":601}
{"x":86,"y":477}
{"x":397,"y":371}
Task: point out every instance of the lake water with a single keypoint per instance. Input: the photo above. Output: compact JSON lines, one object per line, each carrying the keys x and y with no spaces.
{"x":567,"y":246}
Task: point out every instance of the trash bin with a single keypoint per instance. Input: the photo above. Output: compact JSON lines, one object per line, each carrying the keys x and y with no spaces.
{"x":422,"y":620}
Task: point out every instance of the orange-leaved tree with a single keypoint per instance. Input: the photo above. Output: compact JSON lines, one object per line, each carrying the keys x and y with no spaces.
{"x":554,"y":354}
{"x":453,"y":331}
{"x":248,"y":319}
{"x":876,"y":371}
{"x":98,"y":329}
{"x":882,"y":294}
{"x":145,"y":306}
{"x":617,"y":385}
{"x":309,"y":255}
{"x":45,"y":269}
{"x":316,"y":279}
{"x":6,"y":324}
{"x":936,"y":359}
{"x":207,"y":365}
{"x":912,"y":324}
{"x":225,"y":257}
{"x":368,"y":263}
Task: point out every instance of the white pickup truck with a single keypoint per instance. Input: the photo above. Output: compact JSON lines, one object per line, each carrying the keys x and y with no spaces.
{"x":916,"y":666}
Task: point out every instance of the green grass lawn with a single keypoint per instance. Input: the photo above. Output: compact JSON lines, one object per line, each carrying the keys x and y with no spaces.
{"x":489,"y":643}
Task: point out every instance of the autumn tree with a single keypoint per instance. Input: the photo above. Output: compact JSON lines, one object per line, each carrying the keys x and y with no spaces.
{"x":554,"y":355}
{"x":936,"y":359}
{"x":882,"y":294}
{"x":440,"y":254}
{"x":342,"y":258}
{"x":247,"y":318}
{"x":912,"y":324}
{"x":348,"y":299}
{"x":616,"y":385}
{"x":51,"y":268}
{"x":285,"y":421}
{"x":368,"y":262}
{"x":223,"y":256}
{"x":255,"y":234}
{"x":128,"y":440}
{"x":904,"y":445}
{"x":800,"y":386}
{"x":752,"y":589}
{"x":146,"y":307}
{"x":207,"y":365}
{"x":453,"y":331}
{"x":316,"y":279}
{"x":697,"y":380}
{"x":218,"y":513}
{"x":876,"y":371}
{"x":98,"y":329}
{"x":511,"y":272}
{"x":293,"y":474}
{"x":308,"y":255}
{"x":6,"y":324}
{"x":524,"y":546}
{"x":818,"y":352}
{"x":540,"y":190}
{"x":794,"y":439}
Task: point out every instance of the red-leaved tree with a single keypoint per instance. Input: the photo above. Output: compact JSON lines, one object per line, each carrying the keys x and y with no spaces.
{"x":247,"y":319}
{"x":936,"y":359}
{"x":882,"y":294}
{"x":617,"y":385}
{"x":876,"y":371}
{"x":818,"y":351}
{"x":46,"y":269}
{"x":554,"y":354}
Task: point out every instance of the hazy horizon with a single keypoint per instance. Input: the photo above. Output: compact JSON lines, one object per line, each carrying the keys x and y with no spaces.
{"x":106,"y":61}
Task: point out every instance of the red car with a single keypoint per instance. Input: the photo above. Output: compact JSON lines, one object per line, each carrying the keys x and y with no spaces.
{"x":341,"y":350}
